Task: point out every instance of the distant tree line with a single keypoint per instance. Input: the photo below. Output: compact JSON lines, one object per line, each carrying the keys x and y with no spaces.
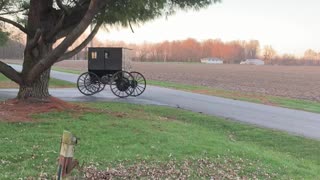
{"x":12,"y":49}
{"x":189,"y":50}
{"x":310,"y":58}
{"x":291,"y":60}
{"x":10,"y":42}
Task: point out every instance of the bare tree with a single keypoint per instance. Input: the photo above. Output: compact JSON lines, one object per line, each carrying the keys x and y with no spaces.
{"x":252,"y":49}
{"x":311,"y":55}
{"x":269,"y":53}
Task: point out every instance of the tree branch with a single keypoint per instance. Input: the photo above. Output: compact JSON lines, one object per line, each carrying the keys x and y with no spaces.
{"x":94,"y":8}
{"x":10,"y":73}
{"x":33,"y":43}
{"x":76,"y":50}
{"x":17,"y":25}
{"x":71,"y":21}
{"x":64,"y":32}
{"x":56,"y":29}
{"x":131,"y":27}
{"x":63,"y":7}
{"x":12,"y":12}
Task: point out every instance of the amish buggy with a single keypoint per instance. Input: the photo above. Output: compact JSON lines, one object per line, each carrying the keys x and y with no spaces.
{"x":111,"y":66}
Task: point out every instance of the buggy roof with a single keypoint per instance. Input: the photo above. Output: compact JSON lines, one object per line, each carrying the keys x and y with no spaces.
{"x":110,"y":48}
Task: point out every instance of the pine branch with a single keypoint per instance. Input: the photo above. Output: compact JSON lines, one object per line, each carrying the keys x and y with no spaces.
{"x":12,"y":12}
{"x":17,"y":25}
{"x":76,"y":50}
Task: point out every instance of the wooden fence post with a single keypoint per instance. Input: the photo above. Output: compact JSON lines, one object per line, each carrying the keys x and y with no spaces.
{"x":66,"y":161}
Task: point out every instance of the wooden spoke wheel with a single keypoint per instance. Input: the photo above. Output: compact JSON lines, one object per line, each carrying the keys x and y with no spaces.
{"x":138,"y":84}
{"x":120,"y":84}
{"x":89,"y":84}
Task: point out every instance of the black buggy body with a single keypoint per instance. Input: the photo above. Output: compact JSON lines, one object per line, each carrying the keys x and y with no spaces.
{"x":111,"y":66}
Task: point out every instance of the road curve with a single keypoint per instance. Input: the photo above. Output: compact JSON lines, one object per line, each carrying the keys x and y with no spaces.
{"x":293,"y":121}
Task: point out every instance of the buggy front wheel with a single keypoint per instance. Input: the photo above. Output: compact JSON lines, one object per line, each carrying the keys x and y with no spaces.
{"x":88,"y":84}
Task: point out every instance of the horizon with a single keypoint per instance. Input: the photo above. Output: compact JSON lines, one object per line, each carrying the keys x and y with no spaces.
{"x":288,"y":26}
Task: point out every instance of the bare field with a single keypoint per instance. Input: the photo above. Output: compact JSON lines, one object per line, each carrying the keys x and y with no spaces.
{"x":302,"y":82}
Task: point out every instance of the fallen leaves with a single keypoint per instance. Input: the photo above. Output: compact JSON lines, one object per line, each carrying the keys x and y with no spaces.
{"x":223,"y":168}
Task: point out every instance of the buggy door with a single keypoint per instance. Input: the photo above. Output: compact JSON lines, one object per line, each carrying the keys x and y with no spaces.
{"x":96,"y":59}
{"x":113,"y":59}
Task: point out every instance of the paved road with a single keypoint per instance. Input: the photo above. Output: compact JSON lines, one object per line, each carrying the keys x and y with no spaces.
{"x":293,"y":121}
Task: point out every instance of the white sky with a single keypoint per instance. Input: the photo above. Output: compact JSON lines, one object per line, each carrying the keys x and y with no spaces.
{"x":290,"y":26}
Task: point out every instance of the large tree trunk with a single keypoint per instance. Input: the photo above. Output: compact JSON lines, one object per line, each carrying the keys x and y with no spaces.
{"x":38,"y":89}
{"x":37,"y":47}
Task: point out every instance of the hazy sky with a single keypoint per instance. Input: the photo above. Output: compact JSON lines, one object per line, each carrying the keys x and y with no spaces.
{"x":290,"y":26}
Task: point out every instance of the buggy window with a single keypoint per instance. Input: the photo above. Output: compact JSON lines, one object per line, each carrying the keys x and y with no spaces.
{"x":106,"y":55}
{"x":93,"y":55}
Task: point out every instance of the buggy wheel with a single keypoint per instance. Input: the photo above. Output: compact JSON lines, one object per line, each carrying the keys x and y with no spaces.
{"x":102,"y":86}
{"x":120,"y":84}
{"x":89,"y":84}
{"x":138,"y":84}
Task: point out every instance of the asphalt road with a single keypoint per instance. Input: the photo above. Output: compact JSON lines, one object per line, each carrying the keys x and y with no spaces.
{"x":293,"y":121}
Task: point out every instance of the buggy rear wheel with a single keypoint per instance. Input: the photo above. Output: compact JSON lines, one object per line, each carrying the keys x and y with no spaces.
{"x":138,"y":84}
{"x":88,"y":84}
{"x":120,"y":84}
{"x":102,"y":86}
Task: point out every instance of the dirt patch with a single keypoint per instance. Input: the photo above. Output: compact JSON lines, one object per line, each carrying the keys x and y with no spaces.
{"x":14,"y":110}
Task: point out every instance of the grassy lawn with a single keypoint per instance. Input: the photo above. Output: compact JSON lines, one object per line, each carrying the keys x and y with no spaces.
{"x":123,"y":133}
{"x":67,"y":70}
{"x":54,"y":83}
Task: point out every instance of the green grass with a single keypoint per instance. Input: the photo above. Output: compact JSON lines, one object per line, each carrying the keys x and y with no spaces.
{"x":130,"y":133}
{"x":53,"y":83}
{"x":66,"y":70}
{"x":297,"y":104}
{"x":4,"y":79}
{"x":57,"y":83}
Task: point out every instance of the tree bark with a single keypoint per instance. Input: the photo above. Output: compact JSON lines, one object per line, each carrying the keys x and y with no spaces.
{"x":40,"y":21}
{"x":37,"y":89}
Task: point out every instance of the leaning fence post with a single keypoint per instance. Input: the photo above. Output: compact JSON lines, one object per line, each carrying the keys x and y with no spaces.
{"x":66,"y":162}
